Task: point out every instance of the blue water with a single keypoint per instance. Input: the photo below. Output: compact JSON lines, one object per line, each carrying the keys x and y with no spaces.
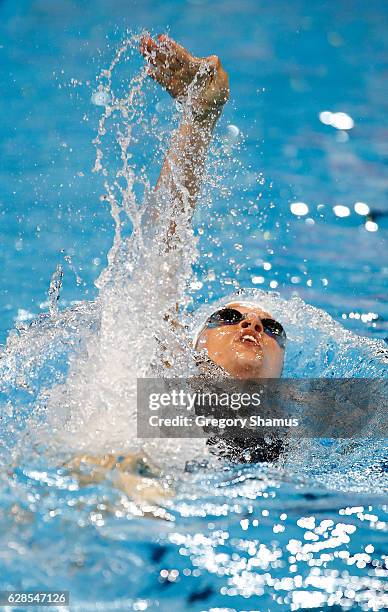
{"x":310,"y":534}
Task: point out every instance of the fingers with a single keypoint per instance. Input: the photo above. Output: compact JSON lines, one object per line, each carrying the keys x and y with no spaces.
{"x":166,"y":51}
{"x":181,"y":54}
{"x":158,"y":53}
{"x":164,"y":66}
{"x":175,"y":69}
{"x":150,"y":51}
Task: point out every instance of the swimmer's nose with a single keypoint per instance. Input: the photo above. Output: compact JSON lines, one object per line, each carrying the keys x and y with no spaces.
{"x":252,"y":321}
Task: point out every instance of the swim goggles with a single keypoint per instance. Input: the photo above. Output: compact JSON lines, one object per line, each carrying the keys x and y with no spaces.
{"x":231,"y":316}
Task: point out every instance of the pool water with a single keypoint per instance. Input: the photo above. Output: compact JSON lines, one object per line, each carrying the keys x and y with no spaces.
{"x":294,"y":202}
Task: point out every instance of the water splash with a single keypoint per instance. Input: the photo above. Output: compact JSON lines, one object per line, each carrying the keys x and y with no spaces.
{"x":54,"y":290}
{"x":94,"y":408}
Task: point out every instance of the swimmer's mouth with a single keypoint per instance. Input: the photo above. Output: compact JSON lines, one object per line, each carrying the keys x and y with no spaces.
{"x":249,"y":338}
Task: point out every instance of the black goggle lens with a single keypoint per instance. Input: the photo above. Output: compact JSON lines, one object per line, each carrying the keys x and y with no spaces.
{"x":231,"y":316}
{"x":275,"y":330}
{"x":225,"y":316}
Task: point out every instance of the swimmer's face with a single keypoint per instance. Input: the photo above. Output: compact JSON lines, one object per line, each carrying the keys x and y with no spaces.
{"x":244,"y":349}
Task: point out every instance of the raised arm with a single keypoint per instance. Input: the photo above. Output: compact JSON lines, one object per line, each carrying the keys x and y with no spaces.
{"x":201,"y":85}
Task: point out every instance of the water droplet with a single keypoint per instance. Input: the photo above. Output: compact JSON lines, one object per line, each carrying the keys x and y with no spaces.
{"x":325,"y":117}
{"x":341,"y":211}
{"x":361,"y":208}
{"x":101,"y":97}
{"x":54,"y":289}
{"x":258,"y":280}
{"x":232,"y":135}
{"x":371,"y":226}
{"x":233,"y":131}
{"x":299,"y":208}
{"x":196,"y":285}
{"x":342,"y":136}
{"x":340,"y":121}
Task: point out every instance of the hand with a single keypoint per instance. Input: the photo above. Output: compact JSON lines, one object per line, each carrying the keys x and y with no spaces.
{"x":202,"y":83}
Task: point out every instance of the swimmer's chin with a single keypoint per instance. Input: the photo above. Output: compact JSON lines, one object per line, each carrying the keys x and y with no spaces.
{"x":241,"y":360}
{"x":246,"y":363}
{"x":248,"y":352}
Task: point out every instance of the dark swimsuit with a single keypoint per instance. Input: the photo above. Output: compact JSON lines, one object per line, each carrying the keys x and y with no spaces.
{"x":247,"y":449}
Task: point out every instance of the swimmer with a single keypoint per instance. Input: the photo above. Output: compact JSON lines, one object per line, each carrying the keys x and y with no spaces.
{"x":241,"y":338}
